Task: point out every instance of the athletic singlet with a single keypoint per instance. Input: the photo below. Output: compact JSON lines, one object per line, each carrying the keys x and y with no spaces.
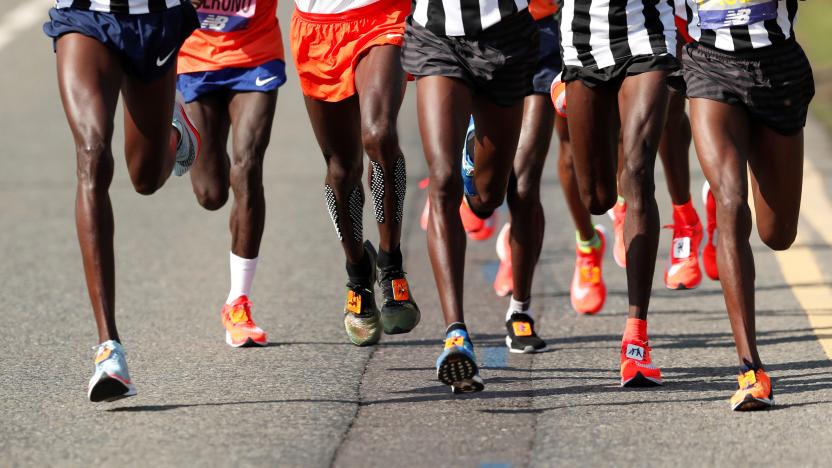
{"x":737,"y":25}
{"x":232,"y":34}
{"x":130,"y":7}
{"x":331,"y":7}
{"x":542,"y":8}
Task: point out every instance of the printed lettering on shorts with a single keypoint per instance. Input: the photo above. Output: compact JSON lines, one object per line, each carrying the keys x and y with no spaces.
{"x":226,"y":15}
{"x":718,"y":14}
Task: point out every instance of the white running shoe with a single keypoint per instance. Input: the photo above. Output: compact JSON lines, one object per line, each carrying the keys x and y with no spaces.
{"x":111,"y":380}
{"x":187,"y":151}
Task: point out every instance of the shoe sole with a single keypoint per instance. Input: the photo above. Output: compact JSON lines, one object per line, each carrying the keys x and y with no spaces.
{"x":753,"y":404}
{"x":403,"y":321}
{"x":457,"y":370}
{"x":526,"y":350}
{"x":640,"y":381}
{"x":109,"y":389}
{"x":248,"y":343}
{"x":475,"y":384}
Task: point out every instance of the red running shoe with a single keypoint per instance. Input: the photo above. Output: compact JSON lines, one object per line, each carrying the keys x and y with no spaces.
{"x":504,"y":282}
{"x":637,"y":369}
{"x":709,"y":253}
{"x":617,"y":214}
{"x":588,"y":291}
{"x":683,"y":262}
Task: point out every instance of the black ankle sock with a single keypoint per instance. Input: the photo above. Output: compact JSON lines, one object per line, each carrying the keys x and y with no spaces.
{"x":360,"y":272}
{"x":456,"y":326}
{"x":390,"y":259}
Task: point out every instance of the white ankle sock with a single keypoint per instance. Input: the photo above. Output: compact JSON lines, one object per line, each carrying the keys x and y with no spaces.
{"x":517,"y":307}
{"x":242,"y":275}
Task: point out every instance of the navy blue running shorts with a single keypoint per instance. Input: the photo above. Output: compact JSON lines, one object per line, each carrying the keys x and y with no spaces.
{"x":146,"y":43}
{"x":550,"y":63}
{"x":264,"y":78}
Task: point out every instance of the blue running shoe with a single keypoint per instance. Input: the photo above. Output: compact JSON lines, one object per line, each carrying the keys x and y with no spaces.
{"x":468,"y":161}
{"x":111,"y":380}
{"x":457,"y":365}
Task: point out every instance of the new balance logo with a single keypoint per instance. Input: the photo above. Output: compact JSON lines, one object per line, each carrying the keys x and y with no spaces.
{"x":635,"y":352}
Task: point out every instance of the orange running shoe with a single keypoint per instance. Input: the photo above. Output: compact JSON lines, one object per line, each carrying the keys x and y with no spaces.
{"x":504,"y":282}
{"x":683,"y":271}
{"x":240,"y":330}
{"x":476,"y":228}
{"x":637,"y":369}
{"x":558,"y":94}
{"x":423,"y":220}
{"x":709,"y":253}
{"x":617,"y":214}
{"x":588,"y":292}
{"x":755,"y":392}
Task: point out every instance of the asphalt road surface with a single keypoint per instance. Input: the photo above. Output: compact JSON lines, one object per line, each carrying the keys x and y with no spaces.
{"x":312,"y":399}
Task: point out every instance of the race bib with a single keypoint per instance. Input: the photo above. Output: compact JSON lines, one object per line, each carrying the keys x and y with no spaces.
{"x":718,"y":14}
{"x":226,"y":15}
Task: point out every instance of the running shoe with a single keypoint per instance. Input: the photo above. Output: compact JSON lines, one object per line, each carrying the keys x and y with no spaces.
{"x":558,"y":94}
{"x":588,"y":291}
{"x":240,"y":330}
{"x":619,"y":252}
{"x":709,"y":253}
{"x":504,"y":282}
{"x":477,"y":229}
{"x":521,"y":336}
{"x":111,"y":380}
{"x":457,"y":365}
{"x":423,"y":220}
{"x":362,"y":319}
{"x":468,"y":160}
{"x":755,"y":392}
{"x":637,"y":369}
{"x":399,"y":312}
{"x":683,"y":262}
{"x":187,"y":150}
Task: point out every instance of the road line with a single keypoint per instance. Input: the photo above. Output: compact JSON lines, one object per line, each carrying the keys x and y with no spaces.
{"x":22,"y":17}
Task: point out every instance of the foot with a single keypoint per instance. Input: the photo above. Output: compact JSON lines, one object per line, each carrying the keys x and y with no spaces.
{"x":683,"y":267}
{"x":457,"y":365}
{"x":755,"y":392}
{"x":399,"y":312}
{"x":504,"y":282}
{"x":187,"y":150}
{"x":709,"y":253}
{"x":522,"y":337}
{"x":240,"y":330}
{"x":637,"y":369}
{"x":617,"y":214}
{"x":111,"y":380}
{"x":362,"y":319}
{"x":588,"y":291}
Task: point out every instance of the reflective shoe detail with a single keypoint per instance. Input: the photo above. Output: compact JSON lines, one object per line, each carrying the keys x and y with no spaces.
{"x":423,"y":220}
{"x":468,"y":160}
{"x":399,"y":312}
{"x":683,"y":271}
{"x":476,"y":228}
{"x":504,"y":281}
{"x":619,"y":252}
{"x":588,"y":292}
{"x":187,"y":151}
{"x":709,"y":253}
{"x":637,"y":369}
{"x":457,"y":365}
{"x":521,"y":337}
{"x":111,"y":380}
{"x":240,"y":330}
{"x":755,"y":392}
{"x":362,"y":319}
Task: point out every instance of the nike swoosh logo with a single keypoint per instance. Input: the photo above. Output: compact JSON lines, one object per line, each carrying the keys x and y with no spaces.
{"x":260,"y":82}
{"x":393,"y":35}
{"x":162,"y":61}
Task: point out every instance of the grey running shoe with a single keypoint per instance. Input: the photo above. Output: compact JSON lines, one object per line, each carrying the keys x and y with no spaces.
{"x":187,"y":151}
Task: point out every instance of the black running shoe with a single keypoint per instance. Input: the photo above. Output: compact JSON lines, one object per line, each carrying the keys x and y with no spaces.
{"x":399,"y":312}
{"x":521,"y":335}
{"x":361,"y":315}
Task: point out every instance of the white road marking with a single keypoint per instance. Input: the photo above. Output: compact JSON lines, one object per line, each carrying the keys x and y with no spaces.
{"x":22,"y":17}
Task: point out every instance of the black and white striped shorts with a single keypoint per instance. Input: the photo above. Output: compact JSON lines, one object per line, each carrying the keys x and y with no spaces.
{"x":775,"y":83}
{"x":498,"y":63}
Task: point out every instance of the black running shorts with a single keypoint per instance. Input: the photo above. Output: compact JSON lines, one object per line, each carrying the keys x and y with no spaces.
{"x":499,"y":63}
{"x":774,"y":84}
{"x":615,"y":74}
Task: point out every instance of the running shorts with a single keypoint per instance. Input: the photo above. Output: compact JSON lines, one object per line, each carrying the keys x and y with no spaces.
{"x":774,"y":84}
{"x":499,"y":63}
{"x":327,"y":47}
{"x":147,"y":43}
{"x":615,"y":74}
{"x":549,"y":64}
{"x":263,"y":78}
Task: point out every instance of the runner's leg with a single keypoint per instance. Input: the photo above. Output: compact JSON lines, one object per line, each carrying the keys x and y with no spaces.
{"x":210,"y":172}
{"x":566,"y":174}
{"x":674,"y":148}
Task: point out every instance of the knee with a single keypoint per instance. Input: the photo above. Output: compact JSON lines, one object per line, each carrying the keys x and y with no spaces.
{"x":94,"y":165}
{"x":380,"y":140}
{"x":445,"y":189}
{"x":733,"y":213}
{"x":526,"y":188}
{"x":247,"y":172}
{"x":637,"y":181}
{"x":778,"y":238}
{"x":343,"y":172}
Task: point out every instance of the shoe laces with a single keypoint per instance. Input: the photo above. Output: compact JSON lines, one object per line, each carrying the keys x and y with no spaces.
{"x":588,"y":268}
{"x":241,"y":314}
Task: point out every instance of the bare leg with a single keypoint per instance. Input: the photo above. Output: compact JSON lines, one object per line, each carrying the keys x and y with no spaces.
{"x":674,"y":149}
{"x":566,"y":173}
{"x":210,"y":172}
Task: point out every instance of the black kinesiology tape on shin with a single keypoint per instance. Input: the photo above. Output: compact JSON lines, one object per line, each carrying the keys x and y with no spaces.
{"x":356,"y":212}
{"x":400,"y":185}
{"x":332,"y":207}
{"x":377,"y":190}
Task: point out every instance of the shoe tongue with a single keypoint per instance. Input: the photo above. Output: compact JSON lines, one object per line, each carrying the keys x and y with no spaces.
{"x":239,"y":315}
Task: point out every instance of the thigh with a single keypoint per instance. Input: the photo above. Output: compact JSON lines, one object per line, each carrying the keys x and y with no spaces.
{"x":380,"y":82}
{"x":148,"y":113}
{"x":337,"y":127}
{"x":89,"y":78}
{"x":776,"y":163}
{"x":209,"y":113}
{"x":252,"y":116}
{"x":643,"y":101}
{"x":497,"y":134}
